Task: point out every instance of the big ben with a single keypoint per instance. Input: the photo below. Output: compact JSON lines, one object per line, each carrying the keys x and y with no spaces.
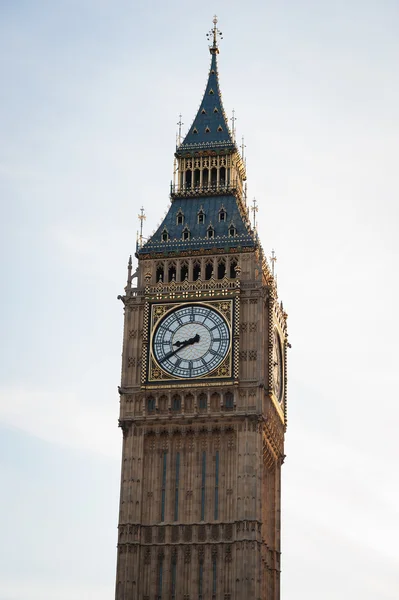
{"x":203,"y":387}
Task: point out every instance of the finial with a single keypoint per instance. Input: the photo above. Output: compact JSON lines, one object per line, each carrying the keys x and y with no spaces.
{"x":243,"y":146}
{"x":233,"y":125}
{"x":254,"y":210}
{"x":129,"y":273}
{"x":141,"y":217}
{"x":213,"y":35}
{"x":273,"y":259}
{"x":180,"y":123}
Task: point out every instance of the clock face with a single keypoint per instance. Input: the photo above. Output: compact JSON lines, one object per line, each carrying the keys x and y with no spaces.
{"x":191,"y":341}
{"x":277,"y":367}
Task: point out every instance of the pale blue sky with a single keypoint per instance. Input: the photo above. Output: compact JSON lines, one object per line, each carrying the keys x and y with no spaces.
{"x":89,"y":100}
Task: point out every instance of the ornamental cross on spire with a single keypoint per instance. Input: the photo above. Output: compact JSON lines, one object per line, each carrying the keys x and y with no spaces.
{"x":213,"y":35}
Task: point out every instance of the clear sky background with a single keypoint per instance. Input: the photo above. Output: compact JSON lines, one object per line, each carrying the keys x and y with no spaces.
{"x":90,"y":95}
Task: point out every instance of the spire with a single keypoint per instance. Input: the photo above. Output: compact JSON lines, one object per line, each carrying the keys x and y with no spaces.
{"x":210,"y":128}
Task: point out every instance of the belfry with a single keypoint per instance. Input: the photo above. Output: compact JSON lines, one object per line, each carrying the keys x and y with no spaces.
{"x":203,"y":387}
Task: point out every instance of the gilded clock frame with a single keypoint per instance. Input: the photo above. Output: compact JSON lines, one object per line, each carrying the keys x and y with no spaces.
{"x":154,"y":374}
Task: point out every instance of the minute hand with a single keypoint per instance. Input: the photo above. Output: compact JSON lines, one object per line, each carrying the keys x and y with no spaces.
{"x":182,"y":345}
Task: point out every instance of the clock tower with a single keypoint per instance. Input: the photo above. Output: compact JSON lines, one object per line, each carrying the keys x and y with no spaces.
{"x":203,"y":388}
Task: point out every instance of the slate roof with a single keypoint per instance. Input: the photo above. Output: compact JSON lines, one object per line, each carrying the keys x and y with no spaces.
{"x":190,"y":207}
{"x":210,"y":127}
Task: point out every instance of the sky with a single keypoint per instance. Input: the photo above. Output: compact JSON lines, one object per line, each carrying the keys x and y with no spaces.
{"x":90,"y":96}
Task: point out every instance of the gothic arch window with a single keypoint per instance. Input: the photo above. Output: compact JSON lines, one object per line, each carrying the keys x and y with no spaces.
{"x":233,"y":265}
{"x":210,"y":232}
{"x":203,"y":111}
{"x":196,"y":177}
{"x":196,"y":270}
{"x":221,"y":268}
{"x":179,"y":217}
{"x":222,"y":176}
{"x":232,"y":230}
{"x":188,"y":178}
{"x":215,"y":402}
{"x":220,"y":128}
{"x":211,"y":92}
{"x":229,"y":401}
{"x":195,"y":130}
{"x":208,"y":269}
{"x":172,"y":271}
{"x":163,"y":404}
{"x":202,"y":402}
{"x":150,"y":404}
{"x":207,"y":130}
{"x":188,"y":403}
{"x":183,"y":270}
{"x":165,"y":235}
{"x":205,"y":177}
{"x":222,"y":214}
{"x":201,"y":216}
{"x":186,"y":233}
{"x":176,"y":403}
{"x":215,"y":110}
{"x":159,"y":276}
{"x":214,"y":174}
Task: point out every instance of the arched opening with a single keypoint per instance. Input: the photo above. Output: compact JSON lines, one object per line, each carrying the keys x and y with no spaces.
{"x":205,"y":177}
{"x":222,"y":176}
{"x":163,"y":404}
{"x":165,"y":236}
{"x":159,"y":273}
{"x":188,"y":403}
{"x":188,"y":178}
{"x":172,"y":272}
{"x":196,"y":178}
{"x":186,"y":234}
{"x":233,"y":264}
{"x":215,"y":402}
{"x":221,"y":268}
{"x":208,"y":270}
{"x":210,"y":232}
{"x":228,"y":401}
{"x":196,"y":271}
{"x":150,"y":404}
{"x":214,"y":175}
{"x":202,"y":402}
{"x":176,"y":403}
{"x":183,"y":271}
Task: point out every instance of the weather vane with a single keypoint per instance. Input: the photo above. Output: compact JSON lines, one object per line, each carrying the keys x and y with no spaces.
{"x":213,"y":35}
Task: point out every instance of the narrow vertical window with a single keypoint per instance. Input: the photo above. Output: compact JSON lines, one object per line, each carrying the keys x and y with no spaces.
{"x":163,"y":487}
{"x":200,"y":580}
{"x":203,"y":486}
{"x":173,"y":580}
{"x":214,"y":576}
{"x":177,"y":486}
{"x":160,"y":577}
{"x":217,"y":485}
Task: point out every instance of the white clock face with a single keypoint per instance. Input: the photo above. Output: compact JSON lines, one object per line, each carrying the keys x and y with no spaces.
{"x":191,"y":341}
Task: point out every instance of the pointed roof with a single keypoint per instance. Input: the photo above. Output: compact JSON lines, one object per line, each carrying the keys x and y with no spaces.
{"x":210,"y":128}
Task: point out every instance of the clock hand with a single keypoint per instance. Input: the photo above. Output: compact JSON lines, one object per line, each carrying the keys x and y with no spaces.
{"x":182,"y":345}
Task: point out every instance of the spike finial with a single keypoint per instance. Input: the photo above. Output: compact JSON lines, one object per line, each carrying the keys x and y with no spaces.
{"x":273,"y":260}
{"x":213,"y":35}
{"x":254,"y":210}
